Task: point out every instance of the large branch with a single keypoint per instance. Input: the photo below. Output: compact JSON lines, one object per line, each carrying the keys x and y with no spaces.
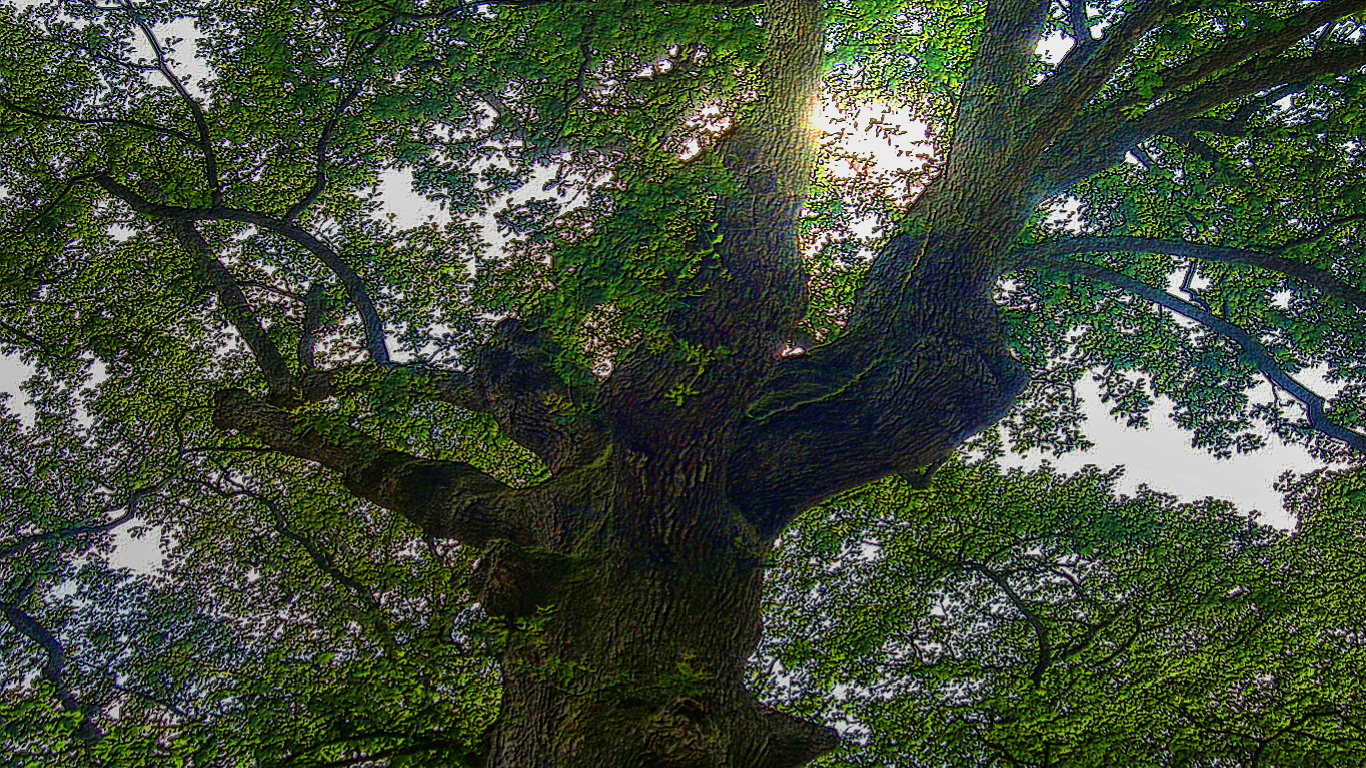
{"x":1096,"y":144}
{"x":1252,"y":349}
{"x":355,"y":287}
{"x":750,"y":289}
{"x":759,"y":289}
{"x":1054,"y":103}
{"x":446,"y":499}
{"x":536,"y":400}
{"x":1080,"y":24}
{"x":1233,"y":52}
{"x":513,"y":379}
{"x":1321,"y":279}
{"x":1251,"y":77}
{"x":990,"y":115}
{"x":849,"y":413}
{"x":942,"y":260}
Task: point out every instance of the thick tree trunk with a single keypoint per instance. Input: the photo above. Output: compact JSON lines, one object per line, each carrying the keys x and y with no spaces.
{"x":629,"y":583}
{"x":630,"y":650}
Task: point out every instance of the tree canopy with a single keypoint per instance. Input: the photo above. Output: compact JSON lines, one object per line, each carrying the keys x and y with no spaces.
{"x":503,"y":487}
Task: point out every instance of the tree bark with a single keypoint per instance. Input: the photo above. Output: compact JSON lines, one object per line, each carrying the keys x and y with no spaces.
{"x":628,"y":649}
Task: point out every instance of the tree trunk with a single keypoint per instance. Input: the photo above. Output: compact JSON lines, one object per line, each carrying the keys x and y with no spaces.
{"x":630,"y":650}
{"x":629,"y":583}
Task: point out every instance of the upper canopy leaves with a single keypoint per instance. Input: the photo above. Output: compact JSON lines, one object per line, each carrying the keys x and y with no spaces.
{"x":240,"y":162}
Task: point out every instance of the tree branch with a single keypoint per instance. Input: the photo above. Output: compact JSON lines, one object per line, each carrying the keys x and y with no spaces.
{"x":320,"y":151}
{"x":54,"y":668}
{"x":236,"y":308}
{"x":1183,"y":133}
{"x":19,"y":333}
{"x":1251,"y":77}
{"x":454,"y":387}
{"x":517,"y":382}
{"x":769,"y":155}
{"x":355,"y":287}
{"x":1321,"y":279}
{"x":205,"y":142}
{"x":750,"y":288}
{"x":371,"y":611}
{"x":1102,"y":142}
{"x":1299,"y":241}
{"x":1040,"y":631}
{"x":793,"y":741}
{"x":514,"y":377}
{"x":1079,"y":22}
{"x":129,"y":512}
{"x":1082,"y":72}
{"x":992,"y":111}
{"x":1253,"y":350}
{"x":537,"y":3}
{"x":185,"y":137}
{"x":849,"y":413}
{"x":446,"y":499}
{"x":1296,"y":28}
{"x":940,"y":268}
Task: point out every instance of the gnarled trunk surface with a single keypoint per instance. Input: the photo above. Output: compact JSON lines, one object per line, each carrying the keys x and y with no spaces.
{"x":635,"y":658}
{"x":630,"y":582}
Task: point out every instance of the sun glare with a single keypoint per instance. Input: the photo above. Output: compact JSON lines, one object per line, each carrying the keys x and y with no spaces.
{"x":875,"y":137}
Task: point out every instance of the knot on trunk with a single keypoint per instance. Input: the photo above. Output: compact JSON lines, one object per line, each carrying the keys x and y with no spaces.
{"x":512,"y":580}
{"x":787,"y":741}
{"x":677,"y":736}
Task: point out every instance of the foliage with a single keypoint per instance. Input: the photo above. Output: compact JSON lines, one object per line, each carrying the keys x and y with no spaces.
{"x":284,"y":626}
{"x":993,"y":619}
{"x":1006,"y":619}
{"x":197,"y":198}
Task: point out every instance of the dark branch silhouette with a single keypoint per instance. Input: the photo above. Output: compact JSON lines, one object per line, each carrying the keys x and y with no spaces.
{"x":1253,"y":350}
{"x":1321,"y":279}
{"x":355,"y":287}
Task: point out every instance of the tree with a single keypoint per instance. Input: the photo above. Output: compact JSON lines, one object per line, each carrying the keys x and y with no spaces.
{"x":622,"y":407}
